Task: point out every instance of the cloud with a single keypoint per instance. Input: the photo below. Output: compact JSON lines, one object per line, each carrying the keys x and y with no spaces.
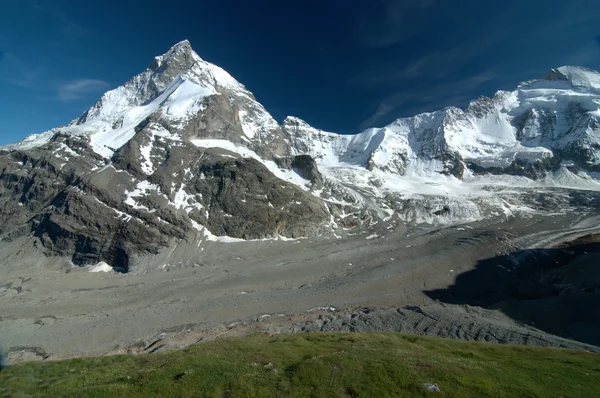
{"x":570,"y":15}
{"x":68,"y":26}
{"x":433,"y":65}
{"x":583,"y":56}
{"x":15,"y":71}
{"x":401,"y":21}
{"x":428,"y":98}
{"x":80,"y":88}
{"x":446,"y":46}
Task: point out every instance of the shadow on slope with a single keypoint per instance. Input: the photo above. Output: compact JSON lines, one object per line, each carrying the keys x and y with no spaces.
{"x":556,"y":290}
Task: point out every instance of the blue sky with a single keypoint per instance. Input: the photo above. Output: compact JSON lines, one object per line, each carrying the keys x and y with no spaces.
{"x":341,"y":65}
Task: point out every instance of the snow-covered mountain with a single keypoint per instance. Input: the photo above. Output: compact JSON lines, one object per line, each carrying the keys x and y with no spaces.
{"x":555,"y":117}
{"x":184,"y":153}
{"x":177,"y":86}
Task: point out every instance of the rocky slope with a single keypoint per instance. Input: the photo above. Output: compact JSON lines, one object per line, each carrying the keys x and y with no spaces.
{"x":183,"y":153}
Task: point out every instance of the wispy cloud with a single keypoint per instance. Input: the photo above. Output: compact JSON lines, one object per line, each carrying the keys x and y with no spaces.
{"x":428,"y":99}
{"x":583,"y":55}
{"x":80,"y":88}
{"x":572,"y":14}
{"x":433,"y":65}
{"x":69,"y":27}
{"x":401,"y":21}
{"x":15,"y":71}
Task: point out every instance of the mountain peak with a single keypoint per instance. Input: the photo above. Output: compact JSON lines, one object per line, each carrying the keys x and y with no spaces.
{"x":185,"y":43}
{"x":293,"y":120}
{"x":183,"y":47}
{"x":579,"y":77}
{"x":181,"y":54}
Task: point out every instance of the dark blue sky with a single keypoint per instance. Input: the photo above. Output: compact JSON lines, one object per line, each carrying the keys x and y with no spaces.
{"x":339,"y":64}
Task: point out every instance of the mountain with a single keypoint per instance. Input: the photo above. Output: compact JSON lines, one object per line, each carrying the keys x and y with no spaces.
{"x":183,"y":153}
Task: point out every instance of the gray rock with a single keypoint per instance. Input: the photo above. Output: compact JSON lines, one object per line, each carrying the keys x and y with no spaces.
{"x":304,"y":165}
{"x":431,"y":387}
{"x":246,"y":201}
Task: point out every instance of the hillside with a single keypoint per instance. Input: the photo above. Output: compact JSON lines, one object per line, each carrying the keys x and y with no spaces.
{"x":318,"y":365}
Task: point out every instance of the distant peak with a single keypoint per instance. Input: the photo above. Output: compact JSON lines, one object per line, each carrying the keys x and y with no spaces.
{"x":294,"y":120}
{"x":567,"y":69}
{"x":579,"y":76}
{"x":184,"y":42}
{"x":182,"y":45}
{"x":181,"y":52}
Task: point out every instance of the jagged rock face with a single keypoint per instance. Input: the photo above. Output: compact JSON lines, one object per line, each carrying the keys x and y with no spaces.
{"x":184,"y":152}
{"x":31,"y":180}
{"x":247,"y":201}
{"x":520,"y":167}
{"x":77,"y":225}
{"x":104,"y":215}
{"x":219,"y":120}
{"x":304,"y":165}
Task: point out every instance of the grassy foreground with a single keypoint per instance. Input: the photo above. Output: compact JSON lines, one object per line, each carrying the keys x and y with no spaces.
{"x":317,"y":365}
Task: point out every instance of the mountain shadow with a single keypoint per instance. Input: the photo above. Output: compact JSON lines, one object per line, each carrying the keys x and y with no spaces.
{"x":556,"y":290}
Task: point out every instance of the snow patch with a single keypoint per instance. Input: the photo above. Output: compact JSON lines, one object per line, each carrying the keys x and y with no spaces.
{"x":186,"y":201}
{"x":143,"y":188}
{"x":178,"y":99}
{"x":101,"y":267}
{"x":31,"y":141}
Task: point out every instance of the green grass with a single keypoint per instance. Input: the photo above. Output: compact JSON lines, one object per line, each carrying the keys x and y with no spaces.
{"x":317,"y":365}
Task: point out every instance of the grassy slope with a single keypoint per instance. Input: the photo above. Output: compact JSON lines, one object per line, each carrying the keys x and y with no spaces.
{"x":346,"y":365}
